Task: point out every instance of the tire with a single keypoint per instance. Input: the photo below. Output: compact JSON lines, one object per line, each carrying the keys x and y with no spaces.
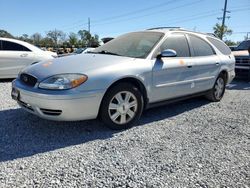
{"x":218,"y":90}
{"x":121,"y":106}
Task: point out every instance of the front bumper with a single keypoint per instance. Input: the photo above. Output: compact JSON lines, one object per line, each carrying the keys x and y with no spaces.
{"x":58,"y":107}
{"x":242,"y":71}
{"x":242,"y":66}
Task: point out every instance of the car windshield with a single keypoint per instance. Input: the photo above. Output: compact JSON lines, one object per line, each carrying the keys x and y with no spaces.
{"x":136,"y":45}
{"x":244,"y":45}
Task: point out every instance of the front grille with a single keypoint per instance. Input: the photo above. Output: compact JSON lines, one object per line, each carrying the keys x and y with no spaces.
{"x":51,"y":112}
{"x":242,"y":61}
{"x":28,"y":79}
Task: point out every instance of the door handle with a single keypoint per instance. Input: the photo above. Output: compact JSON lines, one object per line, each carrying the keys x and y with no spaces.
{"x":23,"y":55}
{"x":217,"y":63}
{"x":189,"y":65}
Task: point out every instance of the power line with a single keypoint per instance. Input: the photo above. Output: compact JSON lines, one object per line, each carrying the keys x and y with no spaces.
{"x":136,"y":12}
{"x":76,"y":24}
{"x":194,"y":17}
{"x":201,"y":15}
{"x":150,"y":14}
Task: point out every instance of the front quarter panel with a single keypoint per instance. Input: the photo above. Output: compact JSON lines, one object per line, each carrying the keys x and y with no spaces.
{"x":103,"y":77}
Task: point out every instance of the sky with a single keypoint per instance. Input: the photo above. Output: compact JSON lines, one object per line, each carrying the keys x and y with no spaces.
{"x":111,"y":18}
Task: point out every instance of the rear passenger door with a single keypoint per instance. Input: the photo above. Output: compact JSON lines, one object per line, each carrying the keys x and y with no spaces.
{"x":13,"y":58}
{"x":206,"y":63}
{"x":172,"y":76}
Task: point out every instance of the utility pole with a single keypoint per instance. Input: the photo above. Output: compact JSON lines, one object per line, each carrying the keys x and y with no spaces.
{"x":223,"y":19}
{"x":89,"y":24}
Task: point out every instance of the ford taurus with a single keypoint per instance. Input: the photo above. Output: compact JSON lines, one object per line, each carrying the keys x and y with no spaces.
{"x":120,"y":79}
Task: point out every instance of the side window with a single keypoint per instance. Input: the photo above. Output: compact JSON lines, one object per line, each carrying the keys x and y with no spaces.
{"x":177,"y":42}
{"x":0,"y":45}
{"x":221,"y":46}
{"x":11,"y":46}
{"x":200,"y":47}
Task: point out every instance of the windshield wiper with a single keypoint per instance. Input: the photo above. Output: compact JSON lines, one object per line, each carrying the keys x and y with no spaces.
{"x":104,"y":52}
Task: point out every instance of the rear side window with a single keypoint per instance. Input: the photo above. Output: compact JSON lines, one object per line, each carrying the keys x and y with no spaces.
{"x":11,"y":46}
{"x":221,"y":46}
{"x":200,"y":47}
{"x":177,"y":42}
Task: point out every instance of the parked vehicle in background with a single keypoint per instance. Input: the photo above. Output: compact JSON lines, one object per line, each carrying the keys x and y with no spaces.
{"x":83,"y":50}
{"x":16,"y":54}
{"x":77,"y":51}
{"x":121,"y":78}
{"x":106,"y":39}
{"x":242,"y":56}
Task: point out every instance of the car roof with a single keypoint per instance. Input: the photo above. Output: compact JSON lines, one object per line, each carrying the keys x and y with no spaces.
{"x":179,"y":29}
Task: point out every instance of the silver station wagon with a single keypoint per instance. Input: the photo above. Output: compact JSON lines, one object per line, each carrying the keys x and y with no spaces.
{"x":120,"y":79}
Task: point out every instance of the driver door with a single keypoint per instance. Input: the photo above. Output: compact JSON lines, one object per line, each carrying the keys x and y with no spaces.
{"x":173,"y":76}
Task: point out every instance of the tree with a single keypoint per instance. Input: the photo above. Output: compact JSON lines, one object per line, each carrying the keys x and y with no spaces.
{"x":36,"y":38}
{"x":56,"y":36}
{"x":230,"y":43}
{"x":94,"y":41}
{"x":87,"y":39}
{"x":221,"y":31}
{"x":5,"y":34}
{"x":73,"y":39}
{"x":46,"y":42}
{"x":25,"y":37}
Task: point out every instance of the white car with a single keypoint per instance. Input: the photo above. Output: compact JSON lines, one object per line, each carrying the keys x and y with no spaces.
{"x":16,"y":54}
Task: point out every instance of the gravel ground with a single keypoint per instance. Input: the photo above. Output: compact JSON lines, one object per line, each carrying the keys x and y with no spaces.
{"x":193,"y":143}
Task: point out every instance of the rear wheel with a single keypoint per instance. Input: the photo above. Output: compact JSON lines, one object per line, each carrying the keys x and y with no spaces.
{"x":217,"y":92}
{"x":122,"y":106}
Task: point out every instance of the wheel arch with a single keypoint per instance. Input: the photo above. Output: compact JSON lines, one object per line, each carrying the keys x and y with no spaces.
{"x":134,"y":81}
{"x":224,"y":72}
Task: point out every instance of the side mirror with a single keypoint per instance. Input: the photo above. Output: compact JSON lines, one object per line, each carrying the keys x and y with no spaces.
{"x":167,"y":53}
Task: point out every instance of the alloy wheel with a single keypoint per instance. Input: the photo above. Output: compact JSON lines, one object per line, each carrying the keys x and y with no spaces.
{"x":219,"y":88}
{"x":123,"y":107}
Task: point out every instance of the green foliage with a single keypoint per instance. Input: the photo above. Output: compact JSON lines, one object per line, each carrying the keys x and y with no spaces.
{"x":57,"y":38}
{"x":73,"y":39}
{"x":5,"y":34}
{"x":221,"y":31}
{"x":230,"y":43}
{"x":46,"y":42}
{"x":25,"y":38}
{"x":36,"y":39}
{"x":87,"y":40}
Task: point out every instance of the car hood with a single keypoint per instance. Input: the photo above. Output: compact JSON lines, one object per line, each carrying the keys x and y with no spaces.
{"x":241,"y":53}
{"x":81,"y":63}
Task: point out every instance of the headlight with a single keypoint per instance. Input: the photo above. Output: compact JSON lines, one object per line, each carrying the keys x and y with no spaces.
{"x":63,"y":81}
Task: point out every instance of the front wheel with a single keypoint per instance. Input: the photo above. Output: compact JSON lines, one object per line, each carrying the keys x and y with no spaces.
{"x":122,"y":106}
{"x":217,"y":92}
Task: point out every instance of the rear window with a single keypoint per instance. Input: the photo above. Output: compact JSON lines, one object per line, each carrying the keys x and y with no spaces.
{"x":11,"y":46}
{"x":221,"y":46}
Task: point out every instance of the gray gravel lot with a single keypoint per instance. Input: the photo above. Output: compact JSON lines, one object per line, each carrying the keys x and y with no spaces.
{"x":188,"y":144}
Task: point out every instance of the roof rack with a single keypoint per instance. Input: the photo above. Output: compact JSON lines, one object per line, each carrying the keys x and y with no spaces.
{"x":181,"y":29}
{"x":164,"y":28}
